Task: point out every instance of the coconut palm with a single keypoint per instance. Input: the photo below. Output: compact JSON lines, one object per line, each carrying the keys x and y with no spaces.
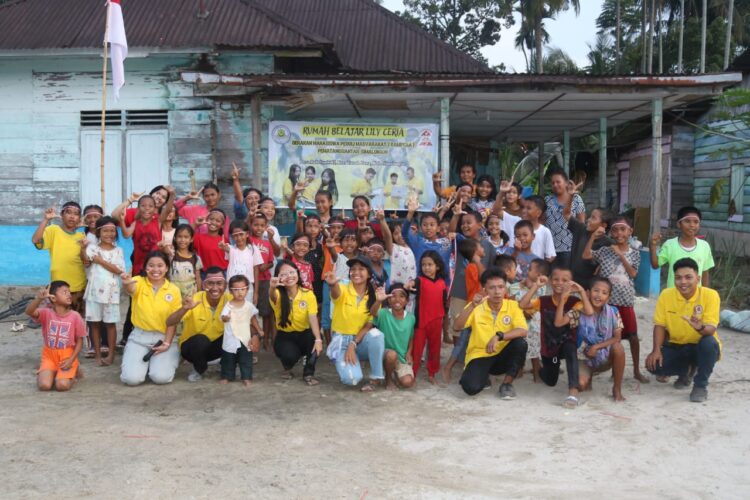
{"x":539,"y":10}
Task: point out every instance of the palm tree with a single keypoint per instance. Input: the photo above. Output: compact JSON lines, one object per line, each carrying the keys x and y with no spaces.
{"x":618,"y":36}
{"x":600,"y":55}
{"x":728,"y":40}
{"x":539,"y":10}
{"x":557,"y":62}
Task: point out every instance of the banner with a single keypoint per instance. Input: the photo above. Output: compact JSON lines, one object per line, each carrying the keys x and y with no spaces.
{"x":388,"y":163}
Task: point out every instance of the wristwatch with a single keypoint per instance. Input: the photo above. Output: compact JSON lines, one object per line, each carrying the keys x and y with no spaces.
{"x":500,"y":335}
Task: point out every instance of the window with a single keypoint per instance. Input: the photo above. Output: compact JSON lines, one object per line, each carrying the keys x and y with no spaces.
{"x":737,"y":183}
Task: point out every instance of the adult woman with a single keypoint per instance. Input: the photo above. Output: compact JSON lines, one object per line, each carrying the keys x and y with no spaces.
{"x":352,"y":339}
{"x":288,"y":188}
{"x":154,"y":300}
{"x":328,"y":183}
{"x":296,"y":312}
{"x":361,"y":210}
{"x":556,"y":222}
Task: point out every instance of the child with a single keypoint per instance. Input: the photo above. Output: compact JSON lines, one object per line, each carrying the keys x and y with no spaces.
{"x":244,"y":258}
{"x":516,"y":291}
{"x":497,"y":237}
{"x":331,"y":249}
{"x":349,"y":250}
{"x":107,"y":263}
{"x":91,"y":214}
{"x":265,"y":250}
{"x":508,"y":265}
{"x":300,"y":248}
{"x":186,"y":266}
{"x":473,"y":253}
{"x":315,"y":256}
{"x":403,"y":265}
{"x":63,"y":332}
{"x":685,"y":245}
{"x":208,"y":244}
{"x":432,"y":306}
{"x":557,"y":341}
{"x":268,"y":208}
{"x":63,"y":243}
{"x":397,"y":326}
{"x":486,"y":191}
{"x":428,"y":240}
{"x":197,"y":215}
{"x":380,"y":268}
{"x":533,"y":211}
{"x":598,"y":339}
{"x":238,"y":316}
{"x":523,"y":248}
{"x":619,"y":264}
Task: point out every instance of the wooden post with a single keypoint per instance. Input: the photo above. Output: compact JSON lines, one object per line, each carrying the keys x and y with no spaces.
{"x":656,"y":166}
{"x":728,"y":39}
{"x":255,"y":110}
{"x":566,"y":152}
{"x":103,"y":140}
{"x":540,"y":167}
{"x":703,"y":36}
{"x":682,"y":37}
{"x":602,"y":162}
{"x":445,"y":136}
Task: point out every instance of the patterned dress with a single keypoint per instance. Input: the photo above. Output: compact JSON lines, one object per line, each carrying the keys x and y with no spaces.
{"x":516,"y":291}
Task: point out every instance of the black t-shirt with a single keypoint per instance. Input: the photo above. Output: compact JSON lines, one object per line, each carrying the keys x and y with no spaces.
{"x":583,"y":270}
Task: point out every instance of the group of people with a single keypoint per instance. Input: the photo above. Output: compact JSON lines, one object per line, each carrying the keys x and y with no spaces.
{"x":504,"y":279}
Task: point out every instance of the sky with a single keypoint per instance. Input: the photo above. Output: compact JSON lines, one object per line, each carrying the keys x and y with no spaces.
{"x":567,"y":32}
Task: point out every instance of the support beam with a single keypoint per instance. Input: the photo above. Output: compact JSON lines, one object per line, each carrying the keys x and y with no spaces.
{"x":656,"y":166}
{"x":255,"y":110}
{"x":603,"y":162}
{"x":445,"y":136}
{"x":540,"y":166}
{"x":566,"y":152}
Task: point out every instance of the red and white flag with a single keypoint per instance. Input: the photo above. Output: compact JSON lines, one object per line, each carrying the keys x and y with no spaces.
{"x":118,"y":45}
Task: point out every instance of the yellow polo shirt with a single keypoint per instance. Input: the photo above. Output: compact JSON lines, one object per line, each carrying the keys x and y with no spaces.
{"x":202,"y":319}
{"x":361,"y":187}
{"x":303,"y":305}
{"x":484,"y":326}
{"x":65,"y":256}
{"x":350,"y":313}
{"x":672,"y":306}
{"x":150,"y":310}
{"x":415,"y":185}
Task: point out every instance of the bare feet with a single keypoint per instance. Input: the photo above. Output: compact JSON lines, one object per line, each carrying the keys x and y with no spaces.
{"x":446,"y":375}
{"x":223,"y":381}
{"x":390,"y":386}
{"x":617,"y":394}
{"x":109,"y":360}
{"x":247,"y":383}
{"x":662,"y":378}
{"x":99,"y":361}
{"x":79,"y":374}
{"x":641,"y":378}
{"x":519,"y":375}
{"x":447,"y":339}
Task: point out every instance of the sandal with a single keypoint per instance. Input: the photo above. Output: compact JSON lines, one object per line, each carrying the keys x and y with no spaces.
{"x":310,"y":380}
{"x":287,"y":376}
{"x":570,"y":402}
{"x":90,"y":354}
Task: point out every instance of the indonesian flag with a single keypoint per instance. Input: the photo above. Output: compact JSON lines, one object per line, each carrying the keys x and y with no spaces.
{"x":118,"y":46}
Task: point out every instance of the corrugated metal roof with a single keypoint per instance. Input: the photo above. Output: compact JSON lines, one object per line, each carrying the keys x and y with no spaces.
{"x":368,"y":37}
{"x":364,"y":36}
{"x":45,"y":24}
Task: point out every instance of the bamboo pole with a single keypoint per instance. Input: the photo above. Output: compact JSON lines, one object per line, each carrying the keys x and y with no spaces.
{"x":103,"y":140}
{"x":728,"y":39}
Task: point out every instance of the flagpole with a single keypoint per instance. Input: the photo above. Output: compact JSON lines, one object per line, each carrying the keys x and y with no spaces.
{"x":104,"y":106}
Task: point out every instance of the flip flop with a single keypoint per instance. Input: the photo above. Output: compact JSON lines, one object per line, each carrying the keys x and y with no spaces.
{"x":310,"y":380}
{"x":368,"y":387}
{"x":90,"y":354}
{"x":17,"y":327}
{"x":570,"y":402}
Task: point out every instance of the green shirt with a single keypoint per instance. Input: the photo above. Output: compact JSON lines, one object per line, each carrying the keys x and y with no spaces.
{"x":397,"y":332}
{"x":671,"y":252}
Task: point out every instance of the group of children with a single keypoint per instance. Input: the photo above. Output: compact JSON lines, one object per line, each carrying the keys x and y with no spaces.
{"x":428,"y":271}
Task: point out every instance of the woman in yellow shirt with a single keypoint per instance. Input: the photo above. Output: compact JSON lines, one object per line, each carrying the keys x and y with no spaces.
{"x":154,"y":300}
{"x":352,"y":339}
{"x":296,"y":312}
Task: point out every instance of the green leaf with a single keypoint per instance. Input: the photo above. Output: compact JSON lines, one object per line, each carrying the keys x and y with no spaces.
{"x":717,"y":191}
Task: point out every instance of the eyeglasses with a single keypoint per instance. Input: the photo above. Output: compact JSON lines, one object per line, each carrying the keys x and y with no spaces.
{"x":287,"y":275}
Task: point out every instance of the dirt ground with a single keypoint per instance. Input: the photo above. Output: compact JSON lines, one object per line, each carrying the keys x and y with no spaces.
{"x":281,"y":439}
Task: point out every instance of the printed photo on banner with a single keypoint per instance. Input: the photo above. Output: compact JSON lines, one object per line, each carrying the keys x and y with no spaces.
{"x":388,"y":163}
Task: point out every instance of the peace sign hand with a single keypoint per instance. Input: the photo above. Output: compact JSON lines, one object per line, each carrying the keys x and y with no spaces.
{"x":235,"y":172}
{"x":195,"y":195}
{"x":331,"y":278}
{"x":43,"y":293}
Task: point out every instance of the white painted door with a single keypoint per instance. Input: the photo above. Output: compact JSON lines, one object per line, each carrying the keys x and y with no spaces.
{"x":624,"y":181}
{"x":147,"y":159}
{"x":90,"y":169}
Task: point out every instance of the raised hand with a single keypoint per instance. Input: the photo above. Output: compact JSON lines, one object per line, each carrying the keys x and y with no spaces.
{"x":380,"y":294}
{"x":458,"y":208}
{"x":43,"y":293}
{"x":51,"y":213}
{"x":437,"y":177}
{"x":599,"y":232}
{"x":572,"y":188}
{"x":188,"y":302}
{"x":695,"y":322}
{"x":380,"y":214}
{"x":84,"y":242}
{"x":541,"y":281}
{"x":274,"y":283}
{"x":575,"y":287}
{"x":270,"y":233}
{"x":413,"y":205}
{"x":331,"y":278}
{"x":331,"y":243}
{"x":617,"y":250}
{"x":411,"y":286}
{"x":134,"y":197}
{"x":478,"y":299}
{"x":505,"y":186}
{"x":235,"y":172}
{"x":655,"y":239}
{"x":299,"y":187}
{"x":224,"y":246}
{"x":195,"y":195}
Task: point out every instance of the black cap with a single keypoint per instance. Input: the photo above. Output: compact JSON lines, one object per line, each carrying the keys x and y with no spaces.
{"x":361,"y":259}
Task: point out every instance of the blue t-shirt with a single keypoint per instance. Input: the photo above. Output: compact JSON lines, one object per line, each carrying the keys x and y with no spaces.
{"x":523,"y":261}
{"x":419,"y":245}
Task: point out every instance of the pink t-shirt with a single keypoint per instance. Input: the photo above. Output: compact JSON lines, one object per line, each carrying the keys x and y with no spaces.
{"x":192,"y":212}
{"x":60,"y":332}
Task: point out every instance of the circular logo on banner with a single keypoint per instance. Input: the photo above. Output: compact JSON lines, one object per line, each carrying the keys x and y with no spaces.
{"x":506,"y":320}
{"x":302,"y":304}
{"x":281,"y":134}
{"x":168,"y":297}
{"x":698,"y":309}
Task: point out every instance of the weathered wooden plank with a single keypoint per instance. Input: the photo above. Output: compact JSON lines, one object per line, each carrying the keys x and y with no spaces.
{"x":15,"y":160}
{"x":180,"y":174}
{"x":189,"y":117}
{"x":16,"y":172}
{"x":189,"y":146}
{"x":712,"y":174}
{"x":56,"y":174}
{"x":198,"y":131}
{"x":56,"y":160}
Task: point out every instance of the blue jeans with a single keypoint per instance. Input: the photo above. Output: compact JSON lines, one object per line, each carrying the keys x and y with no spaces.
{"x":678,"y":358}
{"x":371,"y":348}
{"x":325,"y":314}
{"x":459,"y":350}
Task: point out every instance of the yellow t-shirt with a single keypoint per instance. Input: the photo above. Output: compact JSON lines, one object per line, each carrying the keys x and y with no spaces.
{"x":201,"y":319}
{"x":416,"y":186}
{"x":150,"y":310}
{"x":64,"y":256}
{"x":672,"y":306}
{"x":484,"y":326}
{"x":390,"y":202}
{"x":350,"y":313}
{"x":303,"y":305}
{"x":311,"y":190}
{"x":361,"y":187}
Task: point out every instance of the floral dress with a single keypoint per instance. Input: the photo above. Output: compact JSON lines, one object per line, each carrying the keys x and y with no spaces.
{"x":516,"y":291}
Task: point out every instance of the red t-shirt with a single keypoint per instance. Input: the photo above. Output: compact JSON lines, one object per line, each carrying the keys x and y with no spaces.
{"x":354,"y":225}
{"x":266,"y":253}
{"x":146,"y":238}
{"x":305,"y":272}
{"x":207,"y":248}
{"x":431,"y":296}
{"x":60,"y":332}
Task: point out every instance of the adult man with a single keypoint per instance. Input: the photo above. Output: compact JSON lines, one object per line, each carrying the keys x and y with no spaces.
{"x":686,"y":315}
{"x":497,"y":343}
{"x":203,"y":331}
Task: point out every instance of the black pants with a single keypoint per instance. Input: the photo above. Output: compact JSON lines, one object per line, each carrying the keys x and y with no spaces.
{"x":229,"y":362}
{"x":127,"y":327}
{"x":199,"y":351}
{"x":508,"y":361}
{"x":678,"y":358}
{"x":290,"y":347}
{"x":551,"y":366}
{"x":563,"y":259}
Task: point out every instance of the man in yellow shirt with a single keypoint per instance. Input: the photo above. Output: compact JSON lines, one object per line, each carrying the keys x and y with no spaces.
{"x":203,"y":332}
{"x":414,"y":184}
{"x":497,"y":344}
{"x":687,"y":315}
{"x":363,"y":187}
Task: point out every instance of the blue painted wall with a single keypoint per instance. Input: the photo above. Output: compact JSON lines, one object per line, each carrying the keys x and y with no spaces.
{"x":22,"y":264}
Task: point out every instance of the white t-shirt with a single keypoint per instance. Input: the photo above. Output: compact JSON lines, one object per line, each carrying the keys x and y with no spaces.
{"x":543,"y":245}
{"x":244,"y":262}
{"x":403,"y":265}
{"x":237,"y":329}
{"x":508,"y":224}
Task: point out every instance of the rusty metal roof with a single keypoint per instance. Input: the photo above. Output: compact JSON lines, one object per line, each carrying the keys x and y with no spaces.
{"x":362,"y":35}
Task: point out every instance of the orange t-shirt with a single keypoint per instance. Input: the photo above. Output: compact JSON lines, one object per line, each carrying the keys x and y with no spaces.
{"x":327,"y":262}
{"x":473,"y":286}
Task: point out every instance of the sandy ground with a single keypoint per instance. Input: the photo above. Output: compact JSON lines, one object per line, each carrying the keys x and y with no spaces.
{"x":281,"y":439}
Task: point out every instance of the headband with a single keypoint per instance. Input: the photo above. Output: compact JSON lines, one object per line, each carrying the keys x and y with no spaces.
{"x":689,"y":216}
{"x":620,"y":224}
